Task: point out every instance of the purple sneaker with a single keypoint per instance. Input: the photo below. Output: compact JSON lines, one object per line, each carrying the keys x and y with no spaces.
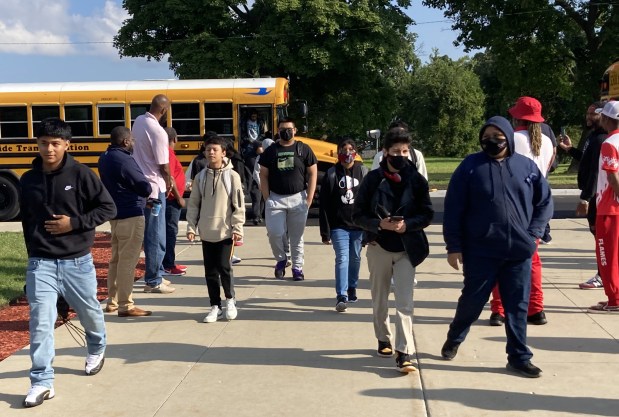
{"x":297,"y":274}
{"x":280,"y":269}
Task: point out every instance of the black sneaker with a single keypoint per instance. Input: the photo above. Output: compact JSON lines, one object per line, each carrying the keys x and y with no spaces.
{"x":496,"y":319}
{"x":280,"y":269}
{"x":525,"y":369}
{"x":449,"y":350}
{"x":352,"y":295}
{"x":384,"y":349}
{"x":537,"y":319}
{"x":404,"y":363}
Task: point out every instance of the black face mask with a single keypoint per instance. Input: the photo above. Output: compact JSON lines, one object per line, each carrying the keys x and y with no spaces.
{"x":397,"y":162}
{"x":285,"y":135}
{"x":493,"y":147}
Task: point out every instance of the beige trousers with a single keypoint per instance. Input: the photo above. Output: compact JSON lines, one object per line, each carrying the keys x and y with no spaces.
{"x":127,"y":238}
{"x":383,"y":265}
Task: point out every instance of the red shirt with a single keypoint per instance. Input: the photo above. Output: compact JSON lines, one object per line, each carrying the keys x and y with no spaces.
{"x":176,"y":169}
{"x":607,"y":201}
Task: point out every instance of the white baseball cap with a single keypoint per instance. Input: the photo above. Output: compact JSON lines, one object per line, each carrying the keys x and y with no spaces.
{"x":610,"y":109}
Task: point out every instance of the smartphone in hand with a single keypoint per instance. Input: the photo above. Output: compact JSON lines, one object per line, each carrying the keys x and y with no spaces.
{"x":396,"y":218}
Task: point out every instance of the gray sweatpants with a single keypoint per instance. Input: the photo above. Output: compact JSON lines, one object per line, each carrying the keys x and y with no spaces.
{"x":286,"y":213}
{"x":383,"y":265}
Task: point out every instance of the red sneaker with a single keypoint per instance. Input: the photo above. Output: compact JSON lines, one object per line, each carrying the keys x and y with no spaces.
{"x":181,"y":267}
{"x":174,"y":271}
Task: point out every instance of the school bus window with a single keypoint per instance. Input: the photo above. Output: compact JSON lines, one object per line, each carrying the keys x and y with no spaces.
{"x":43,"y":112}
{"x":186,"y":118}
{"x":138,"y":110}
{"x":110,"y":116}
{"x":218,"y":118}
{"x":13,"y":122}
{"x":80,"y":120}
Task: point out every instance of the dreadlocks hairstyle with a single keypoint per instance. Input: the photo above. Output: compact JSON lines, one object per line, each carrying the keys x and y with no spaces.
{"x":535,"y":133}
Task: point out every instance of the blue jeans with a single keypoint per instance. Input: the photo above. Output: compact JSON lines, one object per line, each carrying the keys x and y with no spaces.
{"x":172,"y":216}
{"x":75,"y":280}
{"x":514,"y":279}
{"x":347,"y":247}
{"x":155,"y":244}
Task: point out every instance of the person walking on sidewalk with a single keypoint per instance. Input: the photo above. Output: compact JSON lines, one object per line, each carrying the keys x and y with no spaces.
{"x":607,"y":216}
{"x":532,"y":143}
{"x":588,"y":158}
{"x":61,"y":202}
{"x":129,"y":188}
{"x":288,"y":174}
{"x":496,"y":207}
{"x":151,"y":152}
{"x":337,"y":195}
{"x":216,"y":211}
{"x":393,"y":207}
{"x":174,"y":204}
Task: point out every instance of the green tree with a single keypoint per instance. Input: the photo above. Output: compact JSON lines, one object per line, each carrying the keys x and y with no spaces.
{"x":347,"y":58}
{"x":444,"y":104}
{"x":554,"y":50}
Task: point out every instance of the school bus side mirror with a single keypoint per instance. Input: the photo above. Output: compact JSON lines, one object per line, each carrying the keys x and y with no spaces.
{"x":302,"y":109}
{"x":302,"y":128}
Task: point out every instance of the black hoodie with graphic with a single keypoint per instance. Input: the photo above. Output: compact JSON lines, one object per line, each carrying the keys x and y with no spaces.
{"x":72,"y":190}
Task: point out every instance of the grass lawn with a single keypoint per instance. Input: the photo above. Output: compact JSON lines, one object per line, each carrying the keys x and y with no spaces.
{"x":440,"y":170}
{"x":13,"y":260}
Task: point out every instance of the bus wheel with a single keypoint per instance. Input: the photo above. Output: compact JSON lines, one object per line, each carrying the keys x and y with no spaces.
{"x":9,"y":199}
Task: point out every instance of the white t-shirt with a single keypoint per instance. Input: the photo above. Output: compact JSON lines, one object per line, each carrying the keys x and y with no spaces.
{"x":421,"y":163}
{"x":522,"y":145}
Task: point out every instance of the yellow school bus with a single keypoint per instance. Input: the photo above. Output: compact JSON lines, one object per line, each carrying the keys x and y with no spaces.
{"x":609,"y":85}
{"x":93,"y":109}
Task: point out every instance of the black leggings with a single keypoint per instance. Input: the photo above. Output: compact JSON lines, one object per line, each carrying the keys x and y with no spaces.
{"x":217,"y":267}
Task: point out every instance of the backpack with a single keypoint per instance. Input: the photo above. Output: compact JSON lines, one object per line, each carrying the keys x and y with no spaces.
{"x":226,"y":179}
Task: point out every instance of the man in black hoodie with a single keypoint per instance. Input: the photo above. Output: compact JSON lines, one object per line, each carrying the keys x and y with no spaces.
{"x":62,"y":202}
{"x":589,"y":158}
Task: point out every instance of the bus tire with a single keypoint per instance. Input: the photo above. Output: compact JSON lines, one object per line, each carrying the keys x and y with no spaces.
{"x":9,"y":199}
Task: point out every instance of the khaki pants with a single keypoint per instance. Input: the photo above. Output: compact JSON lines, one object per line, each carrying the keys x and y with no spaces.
{"x":127,"y":238}
{"x":383,"y":265}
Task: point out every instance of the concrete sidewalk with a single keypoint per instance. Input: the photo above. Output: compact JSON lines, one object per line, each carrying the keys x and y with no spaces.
{"x":290,"y":354}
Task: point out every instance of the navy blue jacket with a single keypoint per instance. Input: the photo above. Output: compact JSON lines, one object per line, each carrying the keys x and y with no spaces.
{"x":125,"y":182}
{"x":496,"y":209}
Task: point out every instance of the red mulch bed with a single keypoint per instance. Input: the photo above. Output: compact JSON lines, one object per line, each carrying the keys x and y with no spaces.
{"x":14,"y":318}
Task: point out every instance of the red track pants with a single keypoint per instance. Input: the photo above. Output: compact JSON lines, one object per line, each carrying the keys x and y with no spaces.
{"x":607,"y":253}
{"x":536,"y":297}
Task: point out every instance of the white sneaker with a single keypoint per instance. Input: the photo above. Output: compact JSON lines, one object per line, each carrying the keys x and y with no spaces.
{"x":37,"y":394}
{"x":159,"y":289}
{"x":231,"y":311}
{"x":213,"y":315}
{"x":235,"y":260}
{"x":94,"y":363}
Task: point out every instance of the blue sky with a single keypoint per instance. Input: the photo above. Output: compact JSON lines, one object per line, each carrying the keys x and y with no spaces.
{"x":42,"y":40}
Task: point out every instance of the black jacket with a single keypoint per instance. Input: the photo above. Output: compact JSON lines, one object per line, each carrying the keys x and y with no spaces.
{"x":589,"y":159}
{"x":335,"y":211}
{"x":375,"y":196}
{"x":72,"y":190}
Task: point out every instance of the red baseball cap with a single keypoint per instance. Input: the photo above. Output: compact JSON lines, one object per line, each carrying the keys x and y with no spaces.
{"x":527,"y":108}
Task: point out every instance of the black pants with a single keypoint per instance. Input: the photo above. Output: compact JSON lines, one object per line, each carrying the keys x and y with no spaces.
{"x":217,"y":267}
{"x":257,"y":203}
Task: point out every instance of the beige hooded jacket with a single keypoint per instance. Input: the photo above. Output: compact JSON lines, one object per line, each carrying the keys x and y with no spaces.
{"x":216,"y":206}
